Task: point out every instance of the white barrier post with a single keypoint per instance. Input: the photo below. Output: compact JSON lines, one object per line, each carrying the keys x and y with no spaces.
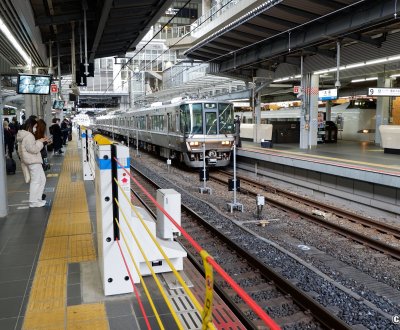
{"x":113,"y":272}
{"x":86,"y":143}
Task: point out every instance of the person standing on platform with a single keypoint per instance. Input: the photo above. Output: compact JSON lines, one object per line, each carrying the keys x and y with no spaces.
{"x":238,"y":141}
{"x":9,"y":139}
{"x":64,"y":131}
{"x":29,"y":151}
{"x":55,"y":131}
{"x":41,"y":133}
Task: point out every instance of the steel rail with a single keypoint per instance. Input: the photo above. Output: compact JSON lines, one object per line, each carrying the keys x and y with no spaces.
{"x":302,"y":299}
{"x":362,"y":239}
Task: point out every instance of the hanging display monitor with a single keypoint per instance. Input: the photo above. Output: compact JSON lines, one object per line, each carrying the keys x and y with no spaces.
{"x":33,"y":84}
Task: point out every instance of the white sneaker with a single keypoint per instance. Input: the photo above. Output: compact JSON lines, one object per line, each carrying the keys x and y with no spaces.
{"x":37,"y":204}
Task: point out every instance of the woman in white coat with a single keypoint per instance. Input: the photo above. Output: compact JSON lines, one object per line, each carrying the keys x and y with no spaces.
{"x":29,"y":152}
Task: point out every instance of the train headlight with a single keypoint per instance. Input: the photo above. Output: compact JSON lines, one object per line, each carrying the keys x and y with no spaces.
{"x":226,"y":143}
{"x":193,"y":143}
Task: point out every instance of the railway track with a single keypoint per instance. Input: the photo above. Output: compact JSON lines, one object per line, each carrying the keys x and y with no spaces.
{"x":249,"y":186}
{"x":286,"y":303}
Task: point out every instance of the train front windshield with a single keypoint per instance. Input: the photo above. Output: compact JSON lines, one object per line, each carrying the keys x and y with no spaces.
{"x":207,"y":118}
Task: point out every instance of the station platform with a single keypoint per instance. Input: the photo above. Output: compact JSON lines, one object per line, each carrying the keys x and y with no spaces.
{"x":357,"y":171}
{"x":49,"y":273}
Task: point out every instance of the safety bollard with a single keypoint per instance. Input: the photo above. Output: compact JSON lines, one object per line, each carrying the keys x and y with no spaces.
{"x":86,"y":146}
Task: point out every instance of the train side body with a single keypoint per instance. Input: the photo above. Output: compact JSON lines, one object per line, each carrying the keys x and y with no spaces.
{"x":178,"y":131}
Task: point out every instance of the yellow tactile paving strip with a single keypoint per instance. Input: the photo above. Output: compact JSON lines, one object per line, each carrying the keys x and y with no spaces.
{"x":68,"y":239}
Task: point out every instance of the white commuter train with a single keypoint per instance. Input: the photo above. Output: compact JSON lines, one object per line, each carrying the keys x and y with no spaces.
{"x":178,"y":130}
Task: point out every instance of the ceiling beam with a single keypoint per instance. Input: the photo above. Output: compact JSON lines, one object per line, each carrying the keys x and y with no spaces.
{"x":359,"y":37}
{"x":63,"y":19}
{"x":298,"y":12}
{"x":271,"y":19}
{"x":100,"y":27}
{"x":260,"y":29}
{"x":320,"y":51}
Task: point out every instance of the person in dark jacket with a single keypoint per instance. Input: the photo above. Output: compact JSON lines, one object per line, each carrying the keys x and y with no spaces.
{"x":55,"y":131}
{"x":64,"y":131}
{"x":9,"y":138}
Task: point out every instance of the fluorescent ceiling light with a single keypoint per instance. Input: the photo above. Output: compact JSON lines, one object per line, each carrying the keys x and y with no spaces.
{"x":360,"y":64}
{"x":377,"y":61}
{"x":395,"y":75}
{"x":14,"y":42}
{"x":364,"y":79}
{"x":355,"y":65}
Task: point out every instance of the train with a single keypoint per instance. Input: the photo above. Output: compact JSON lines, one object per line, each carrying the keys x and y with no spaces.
{"x":353,"y":119}
{"x":182,"y":130}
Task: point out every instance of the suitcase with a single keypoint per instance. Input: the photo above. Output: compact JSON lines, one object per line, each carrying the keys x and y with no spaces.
{"x":11,"y":166}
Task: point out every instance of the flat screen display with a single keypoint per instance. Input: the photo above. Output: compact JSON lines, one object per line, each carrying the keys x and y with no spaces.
{"x":58,"y":104}
{"x":33,"y":84}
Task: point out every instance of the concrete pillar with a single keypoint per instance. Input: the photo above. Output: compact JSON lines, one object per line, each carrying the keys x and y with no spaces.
{"x":328,"y":111}
{"x":257,"y":108}
{"x":3,"y":178}
{"x":382,"y":107}
{"x":205,"y":6}
{"x":313,"y":110}
{"x":29,"y":106}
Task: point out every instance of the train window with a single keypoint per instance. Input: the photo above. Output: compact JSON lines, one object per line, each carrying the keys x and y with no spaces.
{"x":197,"y":119}
{"x":211,"y":123}
{"x":176,"y":122}
{"x":225,"y":115}
{"x":185,"y":119}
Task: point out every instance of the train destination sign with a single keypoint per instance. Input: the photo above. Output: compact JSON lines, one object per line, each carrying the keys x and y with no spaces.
{"x":383,"y":91}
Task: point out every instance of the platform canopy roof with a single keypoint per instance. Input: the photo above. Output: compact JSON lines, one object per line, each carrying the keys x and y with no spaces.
{"x":280,"y":31}
{"x":113,"y":27}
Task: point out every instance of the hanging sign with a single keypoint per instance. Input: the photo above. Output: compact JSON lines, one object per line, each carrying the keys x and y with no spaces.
{"x":383,"y":91}
{"x":54,"y":88}
{"x":327,"y":94}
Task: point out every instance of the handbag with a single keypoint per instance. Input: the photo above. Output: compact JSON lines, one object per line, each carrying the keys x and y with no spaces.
{"x":45,"y":164}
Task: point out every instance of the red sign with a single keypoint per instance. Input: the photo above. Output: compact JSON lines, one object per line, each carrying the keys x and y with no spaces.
{"x":296,"y":89}
{"x":54,"y":88}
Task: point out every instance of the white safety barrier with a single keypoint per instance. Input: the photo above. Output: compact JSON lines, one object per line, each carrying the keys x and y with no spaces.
{"x":390,"y":137}
{"x":113,"y":271}
{"x":256,"y":132}
{"x":87,"y":153}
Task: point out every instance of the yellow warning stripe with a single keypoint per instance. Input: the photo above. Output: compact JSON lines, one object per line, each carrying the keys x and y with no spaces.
{"x":68,"y":239}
